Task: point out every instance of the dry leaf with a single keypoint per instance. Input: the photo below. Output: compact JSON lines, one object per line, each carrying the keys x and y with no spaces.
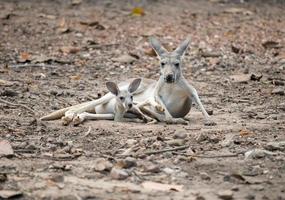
{"x":5,"y":148}
{"x":69,"y":50}
{"x":245,"y":133}
{"x":76,"y":77}
{"x":24,"y":57}
{"x":138,"y":11}
{"x":149,"y":185}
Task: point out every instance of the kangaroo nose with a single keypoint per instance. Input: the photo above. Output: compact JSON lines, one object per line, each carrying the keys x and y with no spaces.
{"x":169,"y":78}
{"x":130,"y":105}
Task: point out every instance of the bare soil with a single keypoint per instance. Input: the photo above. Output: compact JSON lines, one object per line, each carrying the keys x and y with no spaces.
{"x":59,"y":53}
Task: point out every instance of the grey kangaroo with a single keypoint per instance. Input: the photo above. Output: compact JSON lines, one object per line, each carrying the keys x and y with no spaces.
{"x":172,"y":91}
{"x":116,"y":109}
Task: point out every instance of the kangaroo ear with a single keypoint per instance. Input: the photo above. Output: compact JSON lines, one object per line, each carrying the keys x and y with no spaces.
{"x":112,"y":87}
{"x":134,"y":85}
{"x":157,"y":47}
{"x":180,"y":50}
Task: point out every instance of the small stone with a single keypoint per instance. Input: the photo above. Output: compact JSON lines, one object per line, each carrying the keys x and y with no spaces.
{"x":176,"y":142}
{"x":57,"y":178}
{"x":205,"y":176}
{"x":250,"y":197}
{"x":151,"y":167}
{"x":180,"y":134}
{"x":131,"y":142}
{"x":119,"y":174}
{"x":278,"y":91}
{"x":201,"y":137}
{"x":273,"y":146}
{"x":127,"y":163}
{"x":101,"y":164}
{"x":168,"y":170}
{"x":225,"y":194}
{"x":258,"y":153}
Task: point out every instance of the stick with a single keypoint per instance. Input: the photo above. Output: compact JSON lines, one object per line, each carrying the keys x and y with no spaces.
{"x":87,"y":133}
{"x":16,"y":104}
{"x":31,"y":65}
{"x":207,"y":156}
{"x":156,"y":151}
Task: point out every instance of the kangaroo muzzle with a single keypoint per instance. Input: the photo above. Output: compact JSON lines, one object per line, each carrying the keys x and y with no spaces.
{"x":169,"y":78}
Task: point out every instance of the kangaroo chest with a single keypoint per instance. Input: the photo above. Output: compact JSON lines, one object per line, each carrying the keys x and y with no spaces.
{"x":175,"y":99}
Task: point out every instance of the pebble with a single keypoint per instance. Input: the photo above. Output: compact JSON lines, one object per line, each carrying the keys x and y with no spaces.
{"x":225,"y":194}
{"x":273,"y":146}
{"x":176,"y":142}
{"x":118,"y":174}
{"x":180,"y":134}
{"x":127,"y":163}
{"x":278,"y":91}
{"x":151,"y":167}
{"x":101,"y":164}
{"x":205,"y":176}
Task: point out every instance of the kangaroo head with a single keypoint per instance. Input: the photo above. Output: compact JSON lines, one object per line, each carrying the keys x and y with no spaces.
{"x":124,"y":97}
{"x":170,"y":62}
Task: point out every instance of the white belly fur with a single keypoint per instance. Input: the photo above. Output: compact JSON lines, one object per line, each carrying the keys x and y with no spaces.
{"x":175,"y":99}
{"x":107,"y":108}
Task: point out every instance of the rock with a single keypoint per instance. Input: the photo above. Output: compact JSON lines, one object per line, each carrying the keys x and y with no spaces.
{"x":127,"y":163}
{"x":101,"y":164}
{"x":278,"y":91}
{"x":127,"y":59}
{"x":200,"y":137}
{"x":118,"y":174}
{"x":225,"y":194}
{"x":273,"y":146}
{"x":168,"y":170}
{"x":131,"y":142}
{"x":240,"y":78}
{"x":150,"y":167}
{"x":258,"y":153}
{"x":205,"y":176}
{"x":180,"y":134}
{"x":6,"y":148}
{"x":176,"y":142}
{"x":6,"y":194}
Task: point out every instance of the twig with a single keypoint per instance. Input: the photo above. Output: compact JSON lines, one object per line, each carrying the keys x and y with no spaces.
{"x":17,"y":104}
{"x":156,"y":151}
{"x":31,"y":65}
{"x":207,"y":156}
{"x":87,"y":133}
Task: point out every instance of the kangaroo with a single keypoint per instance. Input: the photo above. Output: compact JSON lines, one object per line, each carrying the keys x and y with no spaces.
{"x":116,"y":109}
{"x":172,"y":91}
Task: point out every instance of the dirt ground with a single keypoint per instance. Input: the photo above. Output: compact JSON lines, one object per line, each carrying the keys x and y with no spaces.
{"x":59,"y":53}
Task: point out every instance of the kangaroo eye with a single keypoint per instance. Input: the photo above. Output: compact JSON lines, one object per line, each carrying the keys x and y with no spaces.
{"x":131,"y":97}
{"x":122,"y":98}
{"x":176,"y":65}
{"x":162,"y":64}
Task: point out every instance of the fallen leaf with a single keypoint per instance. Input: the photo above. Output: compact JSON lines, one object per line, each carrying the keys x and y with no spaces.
{"x":149,"y":185}
{"x":245,"y":133}
{"x":24,"y":57}
{"x":63,"y":26}
{"x":5,"y":148}
{"x":69,"y":50}
{"x":138,"y":11}
{"x":6,"y":194}
{"x":75,"y":77}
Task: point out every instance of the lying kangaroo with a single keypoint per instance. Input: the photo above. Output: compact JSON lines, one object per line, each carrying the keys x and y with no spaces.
{"x":172,"y":91}
{"x":118,"y":107}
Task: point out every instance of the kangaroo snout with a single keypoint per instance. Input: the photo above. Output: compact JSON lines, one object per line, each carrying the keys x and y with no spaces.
{"x":130,"y":105}
{"x":169,"y":78}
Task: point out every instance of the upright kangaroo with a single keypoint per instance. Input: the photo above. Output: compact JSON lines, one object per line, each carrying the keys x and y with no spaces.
{"x":172,"y":91}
